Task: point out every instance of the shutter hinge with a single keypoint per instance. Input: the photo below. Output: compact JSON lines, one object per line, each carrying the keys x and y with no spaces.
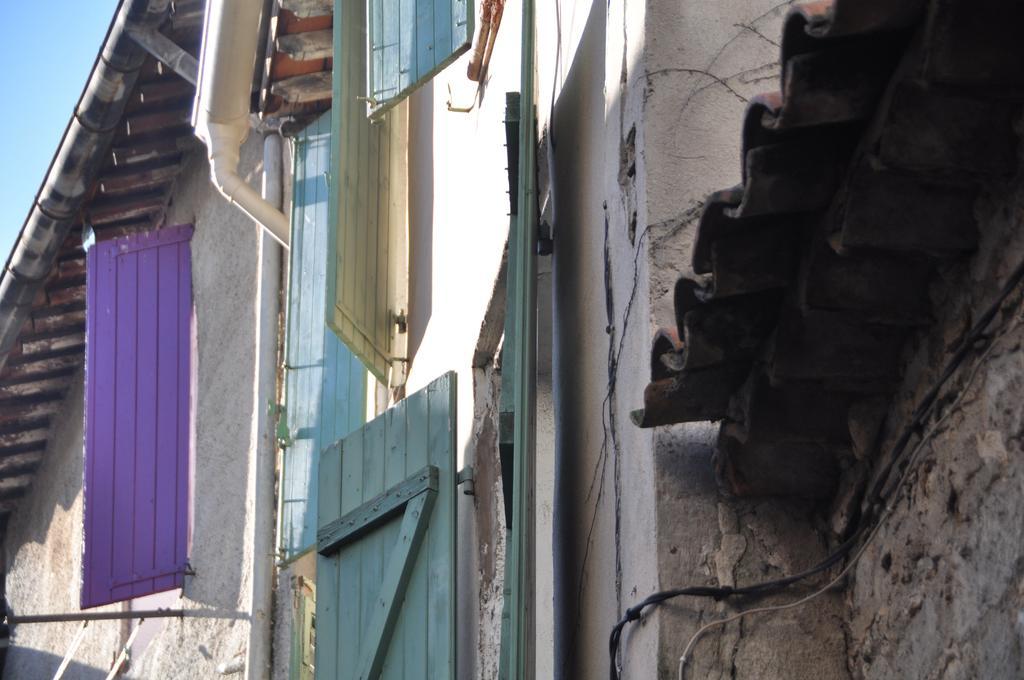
{"x":545,"y":241}
{"x":401,"y":321}
{"x":466,"y":480}
{"x":278,"y":416}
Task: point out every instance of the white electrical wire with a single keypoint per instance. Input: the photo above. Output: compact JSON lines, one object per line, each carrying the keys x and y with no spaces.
{"x":911,"y":461}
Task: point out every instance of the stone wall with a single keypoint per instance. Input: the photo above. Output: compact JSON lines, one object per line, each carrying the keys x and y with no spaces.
{"x":939,"y":593}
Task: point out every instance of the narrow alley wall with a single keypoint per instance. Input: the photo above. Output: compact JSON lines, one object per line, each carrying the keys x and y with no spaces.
{"x":643,"y":106}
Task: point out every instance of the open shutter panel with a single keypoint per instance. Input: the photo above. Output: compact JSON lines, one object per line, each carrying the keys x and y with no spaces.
{"x":302,"y":665}
{"x":385,"y":573}
{"x":411,"y":41}
{"x":325,"y":385}
{"x":137,"y":429}
{"x":369,"y":284}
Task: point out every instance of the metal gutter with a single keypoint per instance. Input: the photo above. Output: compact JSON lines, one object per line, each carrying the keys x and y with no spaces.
{"x":79,"y":158}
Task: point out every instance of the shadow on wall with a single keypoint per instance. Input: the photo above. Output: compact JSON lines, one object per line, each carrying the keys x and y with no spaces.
{"x":57,"y":481}
{"x":225,"y":278}
{"x":23,"y":663}
{"x":421,"y":215}
{"x":580,"y":342}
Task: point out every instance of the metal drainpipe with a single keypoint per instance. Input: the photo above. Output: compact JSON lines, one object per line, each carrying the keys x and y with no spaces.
{"x":259,"y":659}
{"x":221,"y":113}
{"x":79,"y":158}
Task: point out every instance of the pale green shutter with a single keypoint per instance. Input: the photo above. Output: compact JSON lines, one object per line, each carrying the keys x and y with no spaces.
{"x":385,"y":572}
{"x":370,"y":286}
{"x":325,"y":386}
{"x":411,"y":41}
{"x":304,"y":632}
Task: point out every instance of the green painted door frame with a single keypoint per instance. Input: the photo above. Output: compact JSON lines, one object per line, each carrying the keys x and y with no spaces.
{"x":523,"y":280}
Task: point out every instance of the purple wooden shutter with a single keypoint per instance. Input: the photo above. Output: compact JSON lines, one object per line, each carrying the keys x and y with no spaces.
{"x":137,"y":415}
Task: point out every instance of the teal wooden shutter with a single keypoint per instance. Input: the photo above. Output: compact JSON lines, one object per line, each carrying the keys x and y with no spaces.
{"x":411,"y":41}
{"x":302,"y":665}
{"x":519,"y":570}
{"x":385,"y":573}
{"x":325,"y":385}
{"x":369,"y":289}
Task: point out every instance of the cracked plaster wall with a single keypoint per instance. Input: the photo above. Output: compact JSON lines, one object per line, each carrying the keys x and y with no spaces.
{"x":646,"y":119}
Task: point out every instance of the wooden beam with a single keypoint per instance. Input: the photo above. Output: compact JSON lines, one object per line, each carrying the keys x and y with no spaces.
{"x":71,"y":336}
{"x":307,"y":46}
{"x":150,"y":122}
{"x":309,"y":87}
{"x":33,"y":434}
{"x":66,"y":294}
{"x":187,"y":14}
{"x":21,"y":463}
{"x":56,"y":381}
{"x":71,"y":265}
{"x":122,"y":181}
{"x":137,"y":151}
{"x":163,"y":90}
{"x":308,"y":8}
{"x":27,"y":449}
{"x":129,"y":207}
{"x":388,"y":603}
{"x":54,"y":318}
{"x":28,"y":367}
{"x":375,"y":511}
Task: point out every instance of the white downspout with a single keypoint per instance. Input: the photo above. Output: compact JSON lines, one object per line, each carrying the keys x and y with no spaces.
{"x":221,"y":113}
{"x":221,"y":119}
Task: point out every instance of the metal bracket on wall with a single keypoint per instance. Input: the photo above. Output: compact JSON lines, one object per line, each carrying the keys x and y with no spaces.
{"x":466,"y":477}
{"x":167,"y":52}
{"x":462,"y":109}
{"x":70,"y":655}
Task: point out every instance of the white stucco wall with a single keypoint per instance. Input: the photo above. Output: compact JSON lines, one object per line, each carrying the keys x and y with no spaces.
{"x":43,"y":542}
{"x":458,"y":225}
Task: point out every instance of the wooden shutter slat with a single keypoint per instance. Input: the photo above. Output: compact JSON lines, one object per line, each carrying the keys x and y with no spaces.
{"x":441,"y":406}
{"x":325,"y":384}
{"x":125,"y":405}
{"x":351,"y":574}
{"x":183,"y":528}
{"x":411,"y":41}
{"x":328,"y":572}
{"x":414,"y":614}
{"x":100,"y":374}
{"x":417,"y":432}
{"x":407,"y":57}
{"x":443,"y":38}
{"x":147,"y":423}
{"x":138,"y":376}
{"x":174,"y":307}
{"x":369,"y":206}
{"x":385,"y":607}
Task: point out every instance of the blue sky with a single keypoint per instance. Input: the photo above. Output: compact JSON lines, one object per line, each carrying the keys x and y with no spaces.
{"x":47,"y":54}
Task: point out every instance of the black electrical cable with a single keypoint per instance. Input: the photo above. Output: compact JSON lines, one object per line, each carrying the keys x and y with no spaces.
{"x":976,"y":335}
